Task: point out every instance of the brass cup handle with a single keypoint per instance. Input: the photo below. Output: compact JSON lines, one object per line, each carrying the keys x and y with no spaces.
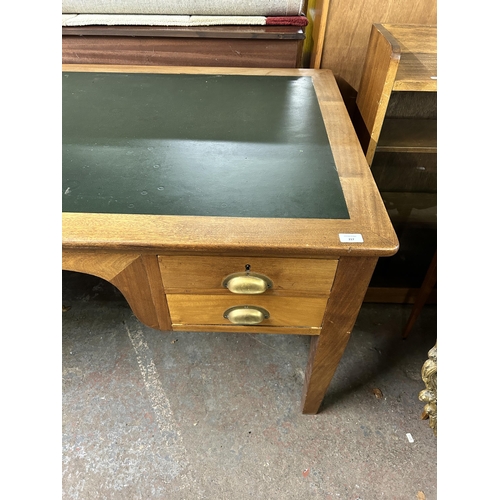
{"x":247,"y":283}
{"x":246,"y":315}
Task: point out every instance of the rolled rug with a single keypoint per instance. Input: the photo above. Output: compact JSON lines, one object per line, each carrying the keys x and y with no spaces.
{"x":186,"y":7}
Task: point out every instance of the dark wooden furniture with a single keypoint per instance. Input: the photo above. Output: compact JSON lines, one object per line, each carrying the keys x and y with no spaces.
{"x":228,"y":46}
{"x":230,"y":200}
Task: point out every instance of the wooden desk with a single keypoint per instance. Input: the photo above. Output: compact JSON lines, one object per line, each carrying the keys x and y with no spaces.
{"x":176,"y":179}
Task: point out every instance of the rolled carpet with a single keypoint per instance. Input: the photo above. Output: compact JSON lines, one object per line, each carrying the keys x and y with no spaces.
{"x":171,"y":20}
{"x":186,"y":7}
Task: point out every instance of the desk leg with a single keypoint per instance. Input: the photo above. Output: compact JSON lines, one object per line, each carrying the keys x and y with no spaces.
{"x":349,"y":288}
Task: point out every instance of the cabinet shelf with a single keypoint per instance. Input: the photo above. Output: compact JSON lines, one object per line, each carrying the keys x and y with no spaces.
{"x":408,"y":135}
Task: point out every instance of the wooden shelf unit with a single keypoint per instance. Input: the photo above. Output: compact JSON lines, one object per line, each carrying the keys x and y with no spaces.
{"x":400,"y":58}
{"x":397,"y":103}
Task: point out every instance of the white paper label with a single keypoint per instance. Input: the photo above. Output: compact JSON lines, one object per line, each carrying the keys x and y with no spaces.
{"x":350,"y":238}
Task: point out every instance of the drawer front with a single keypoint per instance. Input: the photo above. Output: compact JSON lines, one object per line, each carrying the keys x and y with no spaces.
{"x":188,"y":274}
{"x":197,"y":309}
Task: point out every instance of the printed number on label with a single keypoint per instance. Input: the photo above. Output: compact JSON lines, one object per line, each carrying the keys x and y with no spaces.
{"x":350,"y":238}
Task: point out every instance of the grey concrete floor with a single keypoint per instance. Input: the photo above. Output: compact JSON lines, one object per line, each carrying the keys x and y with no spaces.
{"x":154,"y":415}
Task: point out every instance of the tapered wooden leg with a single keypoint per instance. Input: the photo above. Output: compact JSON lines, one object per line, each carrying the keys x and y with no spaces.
{"x":349,"y":288}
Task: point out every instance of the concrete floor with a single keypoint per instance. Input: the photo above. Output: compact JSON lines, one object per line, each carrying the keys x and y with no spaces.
{"x":152,"y":415}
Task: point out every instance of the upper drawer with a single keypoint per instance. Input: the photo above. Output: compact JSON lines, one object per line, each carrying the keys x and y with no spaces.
{"x":188,"y":274}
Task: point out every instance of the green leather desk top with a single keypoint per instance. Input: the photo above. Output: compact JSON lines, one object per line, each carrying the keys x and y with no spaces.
{"x":228,"y":145}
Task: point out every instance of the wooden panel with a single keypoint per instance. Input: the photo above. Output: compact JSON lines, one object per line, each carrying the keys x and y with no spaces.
{"x":185,"y":274}
{"x":209,"y":309}
{"x":234,"y":52}
{"x":348,"y":31}
{"x":380,"y":68}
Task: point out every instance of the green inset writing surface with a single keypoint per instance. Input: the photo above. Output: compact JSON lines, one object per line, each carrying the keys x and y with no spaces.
{"x":205,"y":145}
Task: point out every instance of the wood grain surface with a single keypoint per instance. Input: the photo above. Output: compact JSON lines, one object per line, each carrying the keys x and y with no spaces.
{"x":348,"y":31}
{"x":149,"y":51}
{"x":209,"y":309}
{"x":187,"y":274}
{"x":377,"y":80}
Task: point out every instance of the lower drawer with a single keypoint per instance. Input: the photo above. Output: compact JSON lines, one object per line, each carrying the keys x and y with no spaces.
{"x":209,"y":309}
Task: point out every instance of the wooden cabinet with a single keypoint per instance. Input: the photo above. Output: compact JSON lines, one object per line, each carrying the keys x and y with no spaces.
{"x":397,"y":101}
{"x":224,"y":46}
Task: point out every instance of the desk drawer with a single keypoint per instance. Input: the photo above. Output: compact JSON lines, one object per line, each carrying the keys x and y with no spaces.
{"x":196,"y":309}
{"x":188,"y":274}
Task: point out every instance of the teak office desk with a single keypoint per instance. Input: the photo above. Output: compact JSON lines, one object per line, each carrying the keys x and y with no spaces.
{"x":228,"y":200}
